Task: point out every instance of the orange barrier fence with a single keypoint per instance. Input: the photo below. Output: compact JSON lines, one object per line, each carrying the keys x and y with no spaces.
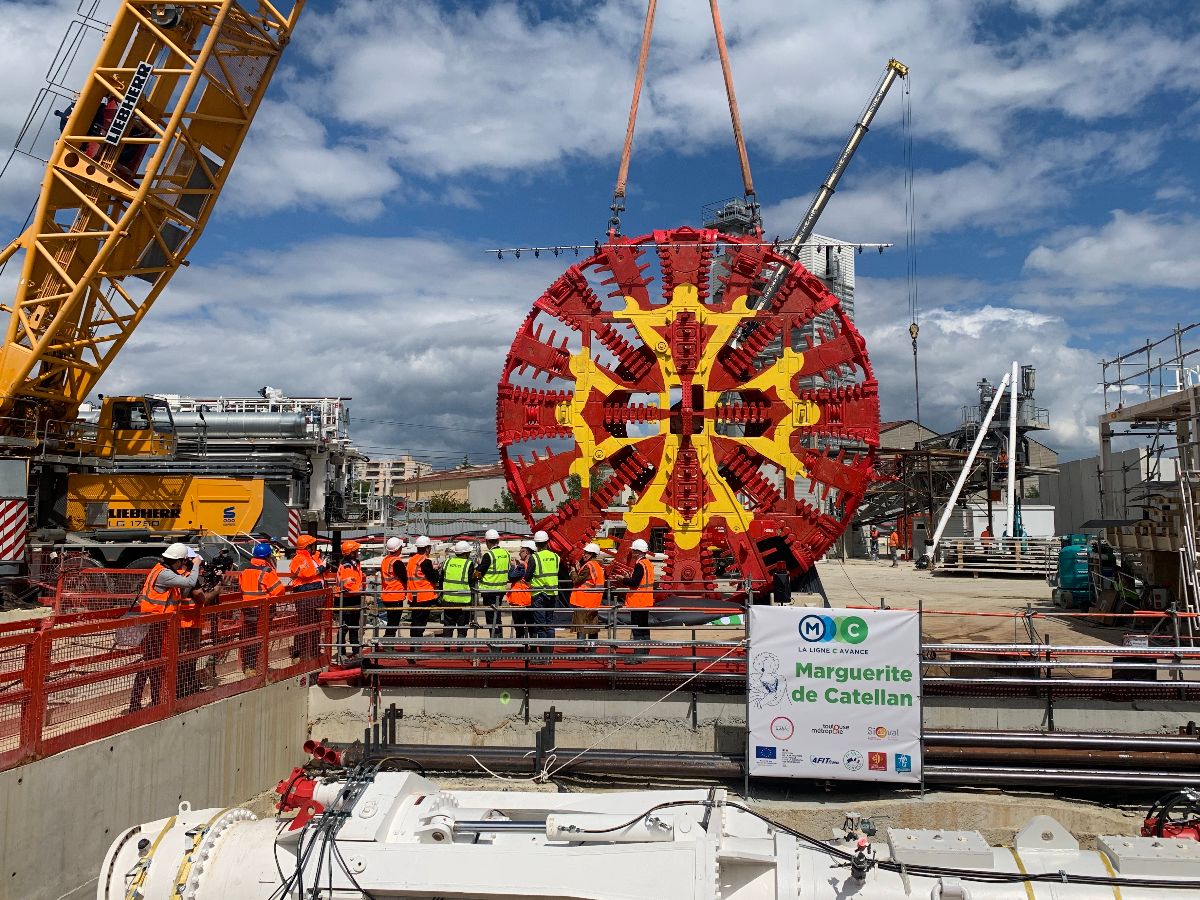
{"x":68,"y":680}
{"x":81,"y":590}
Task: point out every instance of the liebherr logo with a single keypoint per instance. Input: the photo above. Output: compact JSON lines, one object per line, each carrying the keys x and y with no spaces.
{"x":823,"y":629}
{"x":145,"y":512}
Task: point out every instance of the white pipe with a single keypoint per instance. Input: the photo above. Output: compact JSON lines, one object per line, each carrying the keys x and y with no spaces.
{"x":1012,"y":455}
{"x":962,"y":476}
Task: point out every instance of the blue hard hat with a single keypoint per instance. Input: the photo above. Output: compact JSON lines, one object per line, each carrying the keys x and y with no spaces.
{"x":262,"y":551}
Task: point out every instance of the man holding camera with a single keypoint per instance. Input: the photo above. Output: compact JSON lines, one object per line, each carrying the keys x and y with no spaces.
{"x":172,"y":577}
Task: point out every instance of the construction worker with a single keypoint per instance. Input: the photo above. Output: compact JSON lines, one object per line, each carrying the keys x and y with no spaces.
{"x":894,"y":547}
{"x":189,"y":680}
{"x":458,"y":588}
{"x":259,"y":581}
{"x":588,"y":594}
{"x":165,"y":583}
{"x":423,"y":580}
{"x":352,"y":583}
{"x":874,"y":545}
{"x":640,"y":594}
{"x":543,"y":583}
{"x":519,"y":594}
{"x":492,"y":573}
{"x":307,"y":577}
{"x":393,"y":586}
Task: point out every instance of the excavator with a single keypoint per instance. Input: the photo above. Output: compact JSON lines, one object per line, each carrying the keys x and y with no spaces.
{"x":144,"y":151}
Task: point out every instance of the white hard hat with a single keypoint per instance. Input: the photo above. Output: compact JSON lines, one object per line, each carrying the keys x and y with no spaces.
{"x":393,"y":544}
{"x":529,"y":545}
{"x":639,"y":545}
{"x":541,"y":537}
{"x":176,"y":551}
{"x":592,"y":548}
{"x":422,"y":541}
{"x":462,"y":547}
{"x":491,"y":535}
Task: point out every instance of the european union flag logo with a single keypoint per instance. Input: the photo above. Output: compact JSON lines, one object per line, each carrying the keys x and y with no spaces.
{"x":903,"y":762}
{"x":764,"y":752}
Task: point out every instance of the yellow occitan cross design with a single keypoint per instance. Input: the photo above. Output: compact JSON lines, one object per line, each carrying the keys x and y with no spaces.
{"x":651,"y":325}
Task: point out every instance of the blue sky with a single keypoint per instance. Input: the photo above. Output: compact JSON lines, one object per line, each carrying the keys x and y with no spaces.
{"x":1054,"y":147}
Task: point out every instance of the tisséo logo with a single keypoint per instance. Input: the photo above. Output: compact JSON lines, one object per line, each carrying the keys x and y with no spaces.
{"x":903,"y":762}
{"x":782,"y":728}
{"x":819,"y":629}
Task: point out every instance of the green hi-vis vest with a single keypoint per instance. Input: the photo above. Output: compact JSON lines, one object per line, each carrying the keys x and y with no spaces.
{"x":456,"y":580}
{"x":545,"y":579}
{"x":495,"y":579}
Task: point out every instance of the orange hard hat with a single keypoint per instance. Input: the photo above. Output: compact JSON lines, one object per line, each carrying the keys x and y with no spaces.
{"x":350,"y":546}
{"x":305,"y":540}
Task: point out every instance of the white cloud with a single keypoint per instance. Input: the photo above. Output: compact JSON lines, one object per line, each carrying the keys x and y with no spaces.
{"x":289,"y":162}
{"x":414,"y":329}
{"x":959,"y":344}
{"x":1141,"y":250}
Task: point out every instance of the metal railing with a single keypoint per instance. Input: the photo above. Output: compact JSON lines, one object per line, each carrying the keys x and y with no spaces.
{"x":1158,"y":368}
{"x":68,"y":680}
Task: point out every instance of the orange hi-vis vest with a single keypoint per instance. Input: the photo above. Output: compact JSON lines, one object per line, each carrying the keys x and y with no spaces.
{"x":258,"y":581}
{"x":350,"y":577}
{"x":304,"y":569}
{"x":419,"y":588}
{"x":590,"y":594}
{"x":190,"y":615}
{"x":642,"y":596}
{"x":152,"y":599}
{"x":392,"y":589}
{"x":519,"y":594}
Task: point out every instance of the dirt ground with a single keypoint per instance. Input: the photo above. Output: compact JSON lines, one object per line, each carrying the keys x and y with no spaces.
{"x":857,"y":582}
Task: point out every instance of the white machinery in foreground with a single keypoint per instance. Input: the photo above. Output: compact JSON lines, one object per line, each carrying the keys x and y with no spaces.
{"x":396,"y":834}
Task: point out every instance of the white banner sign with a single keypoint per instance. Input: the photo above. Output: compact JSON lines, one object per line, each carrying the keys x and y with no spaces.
{"x":834,"y":693}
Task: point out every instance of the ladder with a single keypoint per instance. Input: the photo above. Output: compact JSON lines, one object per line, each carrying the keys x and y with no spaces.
{"x":1189,"y":561}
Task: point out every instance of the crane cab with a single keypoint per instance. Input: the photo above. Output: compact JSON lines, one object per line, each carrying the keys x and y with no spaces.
{"x":128,"y":427}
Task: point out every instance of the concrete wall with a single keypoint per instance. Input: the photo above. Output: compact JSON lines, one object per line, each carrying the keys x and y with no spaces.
{"x":494,"y":717}
{"x":485,"y":718}
{"x":59,"y":815}
{"x":1075,"y":491}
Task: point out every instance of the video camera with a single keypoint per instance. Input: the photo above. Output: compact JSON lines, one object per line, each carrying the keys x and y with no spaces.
{"x":212,"y":572}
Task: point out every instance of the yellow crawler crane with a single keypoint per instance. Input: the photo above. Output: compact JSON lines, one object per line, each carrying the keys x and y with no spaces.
{"x":130,"y":184}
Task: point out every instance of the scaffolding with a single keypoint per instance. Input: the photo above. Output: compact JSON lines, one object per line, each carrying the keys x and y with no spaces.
{"x":1154,"y":390}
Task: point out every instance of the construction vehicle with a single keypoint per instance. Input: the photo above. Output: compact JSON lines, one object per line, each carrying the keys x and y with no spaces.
{"x":145,"y":148}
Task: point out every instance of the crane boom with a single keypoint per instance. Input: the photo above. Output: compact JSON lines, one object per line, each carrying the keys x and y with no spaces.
{"x":129,"y":186}
{"x":895,"y":69}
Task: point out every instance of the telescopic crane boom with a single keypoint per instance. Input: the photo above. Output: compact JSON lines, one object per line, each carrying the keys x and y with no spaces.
{"x":895,"y":69}
{"x":129,"y":186}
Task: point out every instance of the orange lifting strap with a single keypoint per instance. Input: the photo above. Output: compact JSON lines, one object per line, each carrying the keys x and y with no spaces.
{"x":618,"y":204}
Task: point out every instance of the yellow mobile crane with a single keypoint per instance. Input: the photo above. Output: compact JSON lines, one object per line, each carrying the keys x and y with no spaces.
{"x":144,"y":152}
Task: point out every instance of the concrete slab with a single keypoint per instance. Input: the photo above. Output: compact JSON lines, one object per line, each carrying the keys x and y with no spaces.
{"x":58,"y":815}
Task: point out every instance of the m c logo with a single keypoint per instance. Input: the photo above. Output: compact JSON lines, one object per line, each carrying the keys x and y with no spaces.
{"x":817,"y":629}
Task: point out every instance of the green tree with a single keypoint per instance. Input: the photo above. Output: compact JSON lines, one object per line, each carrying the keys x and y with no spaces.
{"x":505,"y":503}
{"x":445,"y":502}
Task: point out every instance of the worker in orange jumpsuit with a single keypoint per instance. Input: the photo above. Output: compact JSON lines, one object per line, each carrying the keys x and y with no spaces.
{"x":894,"y":547}
{"x":519,"y":595}
{"x":259,"y":582}
{"x":423,"y":581}
{"x":588,"y":594}
{"x":352,"y":584}
{"x":639,"y":597}
{"x":165,"y":584}
{"x":192,"y":620}
{"x":307,"y":577}
{"x":393,"y":586}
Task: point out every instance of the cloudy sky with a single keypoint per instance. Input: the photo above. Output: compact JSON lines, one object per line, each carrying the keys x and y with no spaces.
{"x":1054,"y":144}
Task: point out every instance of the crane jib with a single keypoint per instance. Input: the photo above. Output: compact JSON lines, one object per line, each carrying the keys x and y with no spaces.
{"x":124,"y":112}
